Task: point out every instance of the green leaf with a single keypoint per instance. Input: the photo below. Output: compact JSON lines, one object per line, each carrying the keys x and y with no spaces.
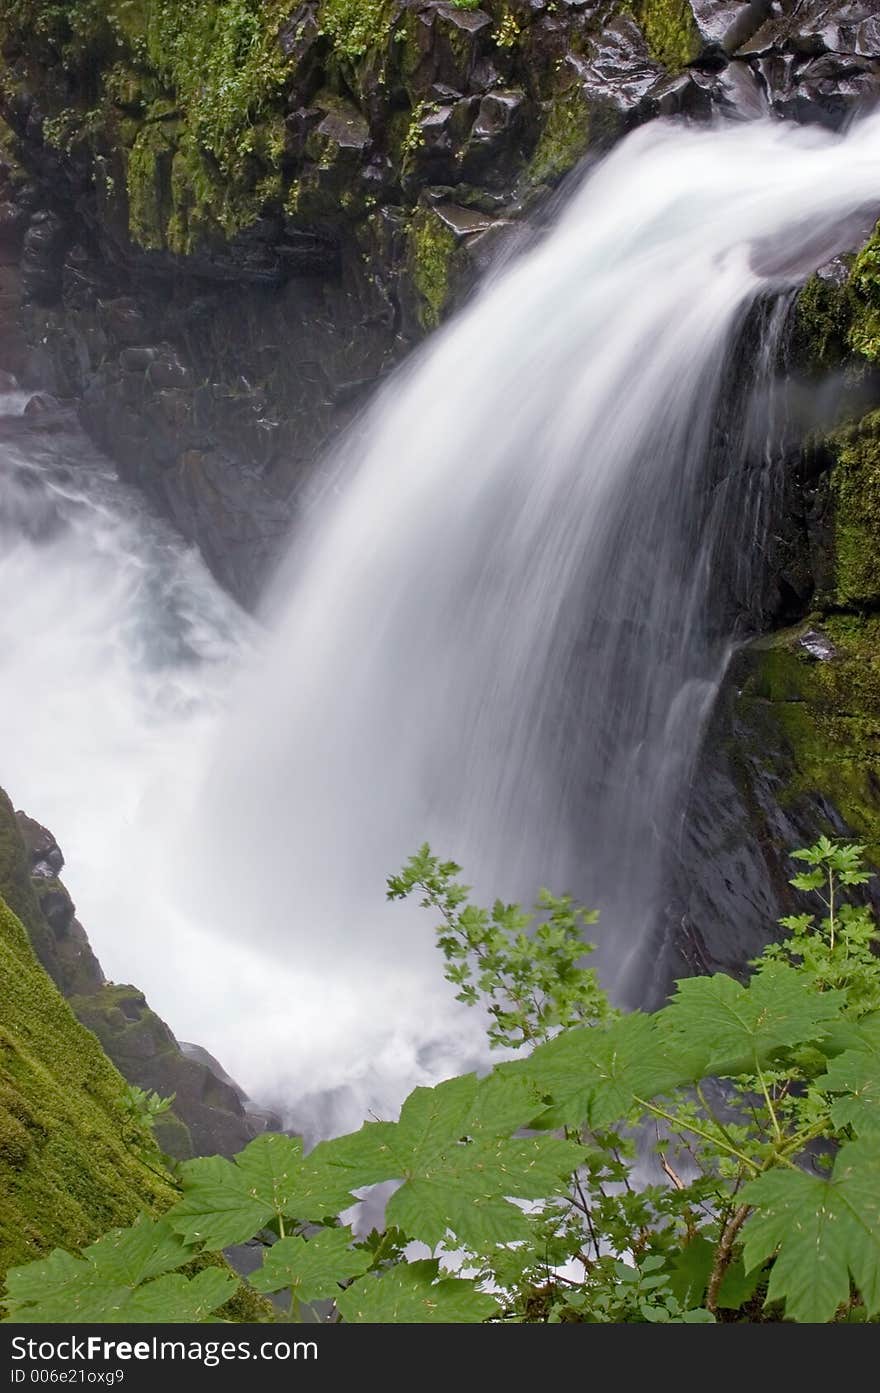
{"x":412,"y":1294}
{"x":735,"y":1028}
{"x":690,"y":1270}
{"x":179,"y":1299}
{"x":228,"y":1202}
{"x":856,"y":1075}
{"x":459,"y":1168}
{"x":822,"y":1231}
{"x":738,"y":1286}
{"x":593,"y":1074}
{"x":313,"y":1267}
{"x":60,"y":1289}
{"x":130,"y":1256}
{"x":103,"y":1286}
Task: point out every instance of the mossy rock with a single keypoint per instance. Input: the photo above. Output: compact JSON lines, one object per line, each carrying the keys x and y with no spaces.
{"x":433,"y":255}
{"x":819,"y":717}
{"x":18,"y":891}
{"x":670,"y":31}
{"x":564,"y":137}
{"x":855,"y":486}
{"x":73,"y":1162}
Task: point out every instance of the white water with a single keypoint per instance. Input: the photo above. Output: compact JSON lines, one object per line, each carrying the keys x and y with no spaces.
{"x":498,"y":634}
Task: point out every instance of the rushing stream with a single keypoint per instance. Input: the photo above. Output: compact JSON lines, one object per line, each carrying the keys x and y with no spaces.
{"x":501,"y":631}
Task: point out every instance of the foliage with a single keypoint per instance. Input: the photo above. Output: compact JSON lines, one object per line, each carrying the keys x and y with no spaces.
{"x":145,"y":1105}
{"x":356,"y":25}
{"x":528,"y":975}
{"x":715,"y":1160}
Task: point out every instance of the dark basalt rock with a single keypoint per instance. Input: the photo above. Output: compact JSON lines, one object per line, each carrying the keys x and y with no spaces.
{"x":42,"y":258}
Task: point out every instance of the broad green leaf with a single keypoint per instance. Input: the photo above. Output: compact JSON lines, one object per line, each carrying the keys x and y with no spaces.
{"x":735,"y":1028}
{"x":313,"y":1267}
{"x":429,"y":1209}
{"x":130,"y":1256}
{"x":856,"y":1075}
{"x":459,"y":1165}
{"x":593,"y":1074}
{"x":848,"y":1034}
{"x":226,"y":1202}
{"x":690,"y":1270}
{"x":44,"y":1280}
{"x":413,"y":1294}
{"x":738,"y":1286}
{"x":61,"y":1290}
{"x":822,"y":1232}
{"x":179,"y":1299}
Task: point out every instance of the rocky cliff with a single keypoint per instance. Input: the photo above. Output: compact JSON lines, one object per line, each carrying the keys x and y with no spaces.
{"x":234,"y":217}
{"x":794,"y":745}
{"x":210,"y":1114}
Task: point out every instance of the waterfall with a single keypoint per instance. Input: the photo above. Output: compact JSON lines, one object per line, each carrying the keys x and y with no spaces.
{"x":500,"y":630}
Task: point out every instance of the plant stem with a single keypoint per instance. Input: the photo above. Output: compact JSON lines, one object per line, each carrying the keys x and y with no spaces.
{"x":698,"y":1132}
{"x":723,"y":1254}
{"x":777,"y":1130}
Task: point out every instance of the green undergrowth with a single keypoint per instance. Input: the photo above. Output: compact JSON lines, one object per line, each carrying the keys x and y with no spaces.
{"x":522,"y":1186}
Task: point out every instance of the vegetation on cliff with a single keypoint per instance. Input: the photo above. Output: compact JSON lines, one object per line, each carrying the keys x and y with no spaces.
{"x":768,"y":1092}
{"x":73,"y":1161}
{"x":811,"y":695}
{"x":192,"y":120}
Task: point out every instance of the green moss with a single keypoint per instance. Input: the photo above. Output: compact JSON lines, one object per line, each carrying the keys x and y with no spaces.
{"x":864,"y":336}
{"x":564,"y":138}
{"x":71,"y":1158}
{"x":855,"y":485}
{"x":432,"y":253}
{"x":827,"y":716}
{"x":148,"y":185}
{"x":822,"y":324}
{"x":670,"y":31}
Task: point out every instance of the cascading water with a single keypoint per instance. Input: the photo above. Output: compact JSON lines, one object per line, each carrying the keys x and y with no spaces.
{"x":500,"y":630}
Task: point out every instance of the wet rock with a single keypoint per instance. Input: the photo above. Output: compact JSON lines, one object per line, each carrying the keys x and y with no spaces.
{"x":723,"y":25}
{"x":42,"y":258}
{"x":138,"y":359}
{"x":493,"y":145}
{"x":42,"y":404}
